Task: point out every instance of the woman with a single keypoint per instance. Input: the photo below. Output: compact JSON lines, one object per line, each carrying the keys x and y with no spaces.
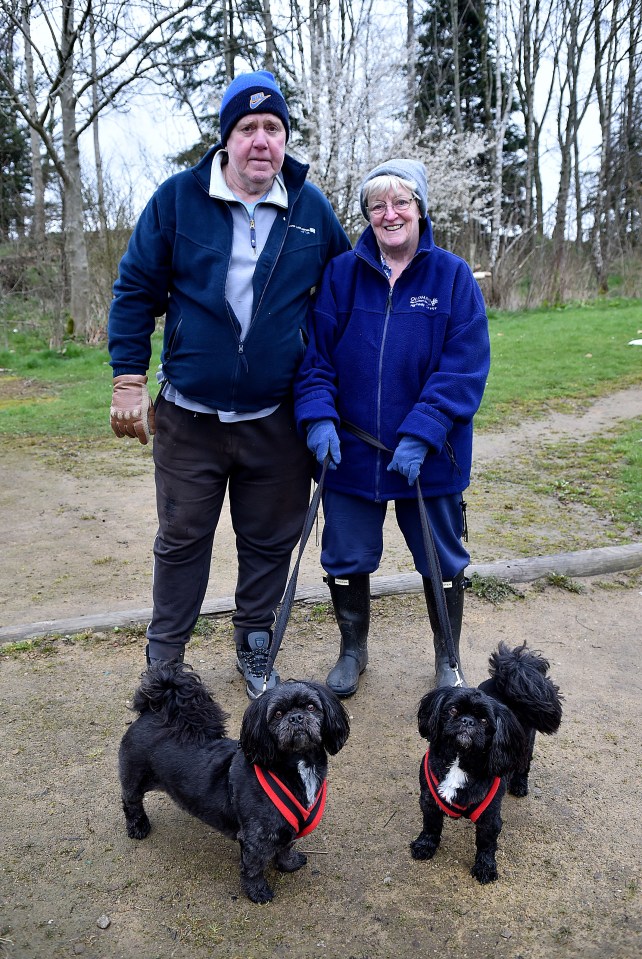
{"x":398,"y":348}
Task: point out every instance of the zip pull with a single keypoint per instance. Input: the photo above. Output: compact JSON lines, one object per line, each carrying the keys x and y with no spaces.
{"x":243,"y":357}
{"x":253,"y":233}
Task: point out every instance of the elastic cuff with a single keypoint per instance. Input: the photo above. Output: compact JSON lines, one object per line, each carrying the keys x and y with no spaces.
{"x":164,"y":652}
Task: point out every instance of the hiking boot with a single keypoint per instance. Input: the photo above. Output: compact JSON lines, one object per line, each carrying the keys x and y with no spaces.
{"x":251,"y":660}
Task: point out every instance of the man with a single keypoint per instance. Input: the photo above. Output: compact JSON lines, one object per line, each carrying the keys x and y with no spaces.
{"x":229,"y":251}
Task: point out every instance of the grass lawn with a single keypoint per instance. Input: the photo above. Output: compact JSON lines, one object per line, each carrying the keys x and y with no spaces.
{"x":541,"y":360}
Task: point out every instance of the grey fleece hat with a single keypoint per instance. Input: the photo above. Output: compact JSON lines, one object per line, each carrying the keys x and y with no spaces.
{"x":407,"y":170}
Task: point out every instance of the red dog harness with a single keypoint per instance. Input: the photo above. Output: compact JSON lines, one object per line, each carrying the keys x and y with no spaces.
{"x":302,"y":819}
{"x":452,"y":809}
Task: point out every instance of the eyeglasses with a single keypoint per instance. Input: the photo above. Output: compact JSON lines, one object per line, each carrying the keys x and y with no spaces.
{"x":400,"y":205}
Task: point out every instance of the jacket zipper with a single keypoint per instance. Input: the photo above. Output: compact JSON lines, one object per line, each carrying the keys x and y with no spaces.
{"x":379,"y":386}
{"x":276,"y":259}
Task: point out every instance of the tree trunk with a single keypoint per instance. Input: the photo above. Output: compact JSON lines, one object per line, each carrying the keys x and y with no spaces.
{"x":454,"y":27}
{"x":75,"y":245}
{"x":228,"y":38}
{"x":38,"y":222}
{"x":98,"y":160}
{"x":411,"y":89}
{"x":268,"y":29}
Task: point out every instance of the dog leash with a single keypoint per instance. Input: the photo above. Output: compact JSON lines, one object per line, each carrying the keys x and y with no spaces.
{"x":431,"y":553}
{"x":288,"y":597}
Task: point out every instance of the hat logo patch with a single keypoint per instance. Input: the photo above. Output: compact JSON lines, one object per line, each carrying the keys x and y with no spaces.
{"x":257,"y":99}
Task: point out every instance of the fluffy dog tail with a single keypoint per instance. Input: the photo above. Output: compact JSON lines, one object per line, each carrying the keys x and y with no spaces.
{"x":520,"y":679}
{"x":180,"y":702}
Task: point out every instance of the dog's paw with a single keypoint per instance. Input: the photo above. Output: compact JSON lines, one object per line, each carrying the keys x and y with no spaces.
{"x":139,"y":828}
{"x":423,"y":847}
{"x":258,"y":892}
{"x":484,"y":870}
{"x":518,"y":785}
{"x":290,"y":860}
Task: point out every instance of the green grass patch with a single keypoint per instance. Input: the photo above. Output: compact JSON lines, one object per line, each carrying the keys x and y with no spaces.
{"x":553,"y":358}
{"x":493,"y":589}
{"x":53,"y":393}
{"x":561,"y":581}
{"x":604,"y":472}
{"x":541,"y":359}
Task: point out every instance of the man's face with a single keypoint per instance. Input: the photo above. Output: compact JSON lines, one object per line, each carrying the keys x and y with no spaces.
{"x":255,"y":150}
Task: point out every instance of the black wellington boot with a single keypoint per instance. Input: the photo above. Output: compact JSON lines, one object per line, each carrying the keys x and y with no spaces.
{"x":445,"y":676}
{"x":351,"y":601}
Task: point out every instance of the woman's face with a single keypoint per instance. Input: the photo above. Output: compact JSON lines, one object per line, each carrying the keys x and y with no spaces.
{"x":396,"y":230}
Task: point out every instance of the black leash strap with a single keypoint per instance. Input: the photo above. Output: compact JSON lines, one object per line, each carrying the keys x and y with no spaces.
{"x":438,"y":591}
{"x":288,"y":597}
{"x":431,"y":553}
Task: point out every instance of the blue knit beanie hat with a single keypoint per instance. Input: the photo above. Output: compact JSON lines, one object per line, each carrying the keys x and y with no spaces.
{"x":252,"y":93}
{"x":406,"y":170}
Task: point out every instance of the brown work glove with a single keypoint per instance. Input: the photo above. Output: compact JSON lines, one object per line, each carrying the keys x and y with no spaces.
{"x":132,"y":412}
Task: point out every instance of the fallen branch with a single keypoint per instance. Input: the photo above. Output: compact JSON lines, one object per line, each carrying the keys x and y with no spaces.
{"x":588,"y":562}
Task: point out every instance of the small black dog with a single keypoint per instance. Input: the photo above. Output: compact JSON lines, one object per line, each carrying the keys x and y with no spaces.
{"x":265,"y":790}
{"x":481,"y":742}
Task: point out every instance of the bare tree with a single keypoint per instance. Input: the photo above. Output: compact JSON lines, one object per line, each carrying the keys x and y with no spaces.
{"x":37,"y":177}
{"x":575,"y":34}
{"x":62,"y":86}
{"x":505,"y":72}
{"x":611,"y":43}
{"x":411,"y":46}
{"x":539,"y":21}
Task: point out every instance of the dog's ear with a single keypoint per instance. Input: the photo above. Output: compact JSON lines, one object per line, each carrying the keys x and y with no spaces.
{"x":509,"y":741}
{"x":255,"y":738}
{"x":336,"y":723}
{"x":429,"y":711}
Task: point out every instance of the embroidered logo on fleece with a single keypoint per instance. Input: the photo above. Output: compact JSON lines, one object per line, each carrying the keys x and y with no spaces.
{"x":427,"y":302}
{"x":257,"y":99}
{"x":303,"y":229}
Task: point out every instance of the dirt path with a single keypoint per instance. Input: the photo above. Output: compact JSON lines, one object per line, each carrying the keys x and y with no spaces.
{"x":76,"y":536}
{"x":78,"y":524}
{"x":598,"y":417}
{"x":569,"y":853}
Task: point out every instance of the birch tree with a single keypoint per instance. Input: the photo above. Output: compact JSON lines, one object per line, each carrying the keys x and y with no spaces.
{"x":505,"y":72}
{"x":534,"y":71}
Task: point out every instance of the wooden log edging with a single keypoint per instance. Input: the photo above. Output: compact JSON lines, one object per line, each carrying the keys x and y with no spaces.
{"x":587,"y":562}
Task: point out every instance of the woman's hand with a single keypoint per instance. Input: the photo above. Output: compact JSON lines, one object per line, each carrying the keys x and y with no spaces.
{"x":323,"y":439}
{"x":408,"y":457}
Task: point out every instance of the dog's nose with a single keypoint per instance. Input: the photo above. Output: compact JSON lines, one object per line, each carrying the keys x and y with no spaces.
{"x":467,"y":721}
{"x":296,"y":718}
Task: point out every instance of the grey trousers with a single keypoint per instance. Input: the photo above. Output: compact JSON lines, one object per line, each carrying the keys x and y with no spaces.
{"x":268,"y":469}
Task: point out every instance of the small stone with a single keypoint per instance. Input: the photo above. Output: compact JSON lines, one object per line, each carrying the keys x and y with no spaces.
{"x":506,"y":934}
{"x":103,"y":922}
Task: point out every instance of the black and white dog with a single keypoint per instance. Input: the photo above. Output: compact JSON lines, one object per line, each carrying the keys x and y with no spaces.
{"x":481,"y":743}
{"x":265,"y":790}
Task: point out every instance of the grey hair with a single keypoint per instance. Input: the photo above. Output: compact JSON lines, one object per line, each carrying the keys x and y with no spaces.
{"x":386,"y":182}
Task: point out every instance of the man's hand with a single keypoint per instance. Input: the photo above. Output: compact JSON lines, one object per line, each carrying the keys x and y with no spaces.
{"x":132,"y":412}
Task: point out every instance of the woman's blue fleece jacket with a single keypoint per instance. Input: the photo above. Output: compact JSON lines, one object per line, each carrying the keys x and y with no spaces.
{"x":412,"y":359}
{"x":176,"y":264}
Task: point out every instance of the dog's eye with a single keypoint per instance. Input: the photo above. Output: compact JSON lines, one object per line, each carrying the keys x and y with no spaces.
{"x":484,"y":722}
{"x":278,"y":714}
{"x":311,"y":707}
{"x":452,"y":711}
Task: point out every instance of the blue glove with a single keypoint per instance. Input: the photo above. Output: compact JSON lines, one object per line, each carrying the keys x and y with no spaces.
{"x":323,"y":439}
{"x":408,"y":457}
